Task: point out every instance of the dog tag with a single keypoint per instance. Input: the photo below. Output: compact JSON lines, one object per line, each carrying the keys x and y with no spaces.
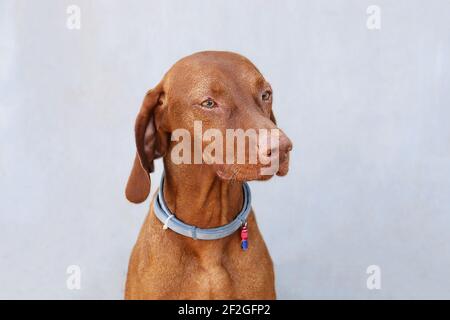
{"x":244,"y":237}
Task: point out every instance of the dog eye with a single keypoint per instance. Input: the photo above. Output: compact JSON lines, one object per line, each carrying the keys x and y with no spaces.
{"x":208,"y":103}
{"x":266,"y":95}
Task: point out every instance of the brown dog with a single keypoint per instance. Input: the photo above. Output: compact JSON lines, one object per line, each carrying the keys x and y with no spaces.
{"x":224,"y":90}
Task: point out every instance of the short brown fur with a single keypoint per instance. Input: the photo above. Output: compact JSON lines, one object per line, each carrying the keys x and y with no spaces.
{"x":164,"y":264}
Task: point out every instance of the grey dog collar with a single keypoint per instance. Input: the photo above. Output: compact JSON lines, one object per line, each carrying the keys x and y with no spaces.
{"x":169,"y":220}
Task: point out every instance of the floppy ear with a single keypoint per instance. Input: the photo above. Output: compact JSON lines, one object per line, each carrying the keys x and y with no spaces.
{"x":150,"y":144}
{"x":138,"y":185}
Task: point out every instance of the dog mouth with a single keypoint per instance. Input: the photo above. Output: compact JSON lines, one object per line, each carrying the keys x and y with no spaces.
{"x":240,"y":172}
{"x":284,"y":166}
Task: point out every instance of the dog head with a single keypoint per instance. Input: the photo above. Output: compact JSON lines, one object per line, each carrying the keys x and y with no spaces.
{"x":212,"y":109}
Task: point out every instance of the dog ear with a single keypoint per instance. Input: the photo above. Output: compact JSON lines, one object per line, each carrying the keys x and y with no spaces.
{"x":151,"y":143}
{"x":138,"y":185}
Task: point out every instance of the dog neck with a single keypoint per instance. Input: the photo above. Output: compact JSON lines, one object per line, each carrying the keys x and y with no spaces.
{"x":197,"y":196}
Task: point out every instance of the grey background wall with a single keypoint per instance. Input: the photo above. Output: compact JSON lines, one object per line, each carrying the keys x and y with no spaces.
{"x":368,"y":111}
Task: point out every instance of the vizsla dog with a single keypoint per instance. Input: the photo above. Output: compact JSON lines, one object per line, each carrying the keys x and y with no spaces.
{"x":224,"y":91}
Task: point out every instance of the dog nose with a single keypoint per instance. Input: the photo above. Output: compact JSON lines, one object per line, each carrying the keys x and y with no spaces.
{"x":285,"y":143}
{"x":284,"y":146}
